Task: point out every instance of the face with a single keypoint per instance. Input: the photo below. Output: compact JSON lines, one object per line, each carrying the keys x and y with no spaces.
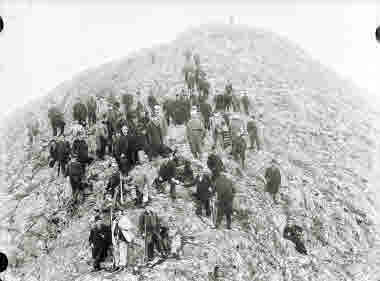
{"x":143,"y":157}
{"x":98,"y":223}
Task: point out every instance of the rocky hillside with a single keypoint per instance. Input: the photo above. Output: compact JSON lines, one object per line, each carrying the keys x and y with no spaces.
{"x":322,"y":131}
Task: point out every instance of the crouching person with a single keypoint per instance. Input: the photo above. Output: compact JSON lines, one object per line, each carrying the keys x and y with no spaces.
{"x":99,"y":243}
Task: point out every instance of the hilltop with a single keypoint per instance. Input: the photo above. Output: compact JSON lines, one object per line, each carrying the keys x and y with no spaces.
{"x":314,"y":122}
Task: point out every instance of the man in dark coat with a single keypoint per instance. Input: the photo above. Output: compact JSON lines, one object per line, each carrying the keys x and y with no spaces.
{"x":225,"y":191}
{"x":239,"y":147}
{"x":99,"y":242}
{"x":273,"y":179}
{"x":215,"y":164}
{"x":91,"y":110}
{"x":101,"y":134}
{"x":203,"y":193}
{"x":154,"y":138}
{"x":121,"y":145}
{"x":206,"y":112}
{"x":76,"y":173}
{"x":253,"y":134}
{"x":80,"y":150}
{"x":246,"y":103}
{"x":80,"y":112}
{"x":149,"y":227}
{"x":56,"y":120}
{"x":112,"y":118}
{"x":63,"y":154}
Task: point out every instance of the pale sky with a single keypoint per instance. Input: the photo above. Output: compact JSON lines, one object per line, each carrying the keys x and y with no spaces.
{"x":44,"y":44}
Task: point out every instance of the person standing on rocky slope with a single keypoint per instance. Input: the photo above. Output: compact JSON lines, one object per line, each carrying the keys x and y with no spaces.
{"x":195,"y":133}
{"x":101,"y":138}
{"x":225,"y":191}
{"x":56,"y":119}
{"x":246,"y":103}
{"x":253,"y":134}
{"x":91,"y":110}
{"x":203,"y":192}
{"x":80,"y":112}
{"x":99,"y":243}
{"x":149,"y":227}
{"x":154,"y":137}
{"x":273,"y":179}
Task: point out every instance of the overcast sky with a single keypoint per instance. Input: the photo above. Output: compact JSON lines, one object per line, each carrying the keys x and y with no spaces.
{"x":44,"y":44}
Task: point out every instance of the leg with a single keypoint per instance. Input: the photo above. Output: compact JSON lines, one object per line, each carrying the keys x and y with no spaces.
{"x":219,"y":216}
{"x":198,"y":210}
{"x":172,"y":190}
{"x":206,"y":205}
{"x":228,"y":218}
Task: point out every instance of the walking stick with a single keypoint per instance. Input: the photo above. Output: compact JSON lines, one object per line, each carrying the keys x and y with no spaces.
{"x":146,"y":242}
{"x":121,"y":189}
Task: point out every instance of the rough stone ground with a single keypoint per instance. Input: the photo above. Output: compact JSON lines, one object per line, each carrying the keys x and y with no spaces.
{"x":312,"y":121}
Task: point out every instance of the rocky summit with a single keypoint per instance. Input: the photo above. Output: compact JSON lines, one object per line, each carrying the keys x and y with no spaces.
{"x":318,"y":126}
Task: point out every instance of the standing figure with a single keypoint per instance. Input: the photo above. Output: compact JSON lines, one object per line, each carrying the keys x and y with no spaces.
{"x":195,"y":133}
{"x":273,"y":179}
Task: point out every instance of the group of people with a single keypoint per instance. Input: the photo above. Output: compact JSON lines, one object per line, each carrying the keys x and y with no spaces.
{"x":134,"y":137}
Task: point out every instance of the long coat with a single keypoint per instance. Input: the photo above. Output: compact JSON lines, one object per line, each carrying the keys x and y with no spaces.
{"x":154,"y":136}
{"x":195,"y":134}
{"x":273,"y":177}
{"x":225,"y":193}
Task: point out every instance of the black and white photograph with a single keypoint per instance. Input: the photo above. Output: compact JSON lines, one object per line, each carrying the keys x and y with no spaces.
{"x":189,"y":140}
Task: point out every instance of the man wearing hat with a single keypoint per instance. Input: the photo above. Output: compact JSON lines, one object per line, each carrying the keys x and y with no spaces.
{"x":195,"y":133}
{"x":204,"y":190}
{"x":98,"y":242}
{"x":149,"y":227}
{"x":273,"y":179}
{"x":253,"y":134}
{"x":80,"y":112}
{"x":56,"y":119}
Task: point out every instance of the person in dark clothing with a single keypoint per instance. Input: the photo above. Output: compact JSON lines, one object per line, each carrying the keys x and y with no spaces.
{"x":99,"y":242}
{"x":91,"y":110}
{"x":112,"y":118}
{"x":80,"y":113}
{"x":149,"y":227}
{"x":252,"y":132}
{"x":225,"y":191}
{"x":76,"y":173}
{"x":154,"y":138}
{"x":80,"y":150}
{"x":246,"y":103}
{"x":167,"y":173}
{"x":273,"y":179}
{"x":124,"y":165}
{"x":188,"y":172}
{"x":63,"y":151}
{"x":203,"y":193}
{"x":121,"y":145}
{"x":56,"y":120}
{"x":101,"y":139}
{"x":206,"y":112}
{"x":215,"y":164}
{"x":294,"y":234}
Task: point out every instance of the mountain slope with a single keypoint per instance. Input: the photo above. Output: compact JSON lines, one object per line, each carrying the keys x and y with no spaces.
{"x":312,"y":121}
